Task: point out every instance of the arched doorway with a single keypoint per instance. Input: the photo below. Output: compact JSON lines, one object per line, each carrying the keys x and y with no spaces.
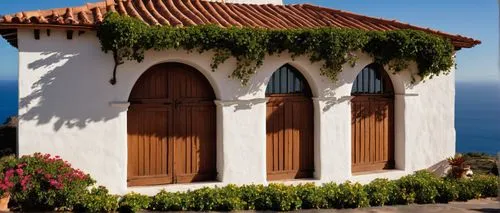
{"x":372,"y":120}
{"x":290,"y":127}
{"x":171,"y":127}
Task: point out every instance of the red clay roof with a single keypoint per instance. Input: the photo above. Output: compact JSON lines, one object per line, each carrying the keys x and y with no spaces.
{"x":198,"y":12}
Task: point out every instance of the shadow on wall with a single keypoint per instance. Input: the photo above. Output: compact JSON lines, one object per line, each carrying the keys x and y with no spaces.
{"x":71,"y":92}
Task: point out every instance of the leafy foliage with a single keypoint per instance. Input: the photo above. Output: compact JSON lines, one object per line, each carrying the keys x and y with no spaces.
{"x":41,"y":182}
{"x":378,"y":192}
{"x":128,"y":38}
{"x":419,"y":188}
{"x":97,"y":200}
{"x":134,"y":202}
{"x":168,"y":201}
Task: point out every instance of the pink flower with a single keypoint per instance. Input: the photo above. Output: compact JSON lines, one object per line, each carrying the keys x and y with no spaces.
{"x":9,"y":173}
{"x":55,"y":184}
{"x":57,"y":156}
{"x":4,"y":187}
{"x":19,"y":172}
{"x":24,"y":181}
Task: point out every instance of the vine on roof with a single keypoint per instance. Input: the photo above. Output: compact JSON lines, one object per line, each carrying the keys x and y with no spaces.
{"x":128,"y":38}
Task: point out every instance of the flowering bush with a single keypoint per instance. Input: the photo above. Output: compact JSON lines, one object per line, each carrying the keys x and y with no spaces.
{"x":43,"y":182}
{"x":6,"y":179}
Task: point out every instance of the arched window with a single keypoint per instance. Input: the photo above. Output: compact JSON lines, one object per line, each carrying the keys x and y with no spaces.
{"x":372,"y":80}
{"x":287,"y":80}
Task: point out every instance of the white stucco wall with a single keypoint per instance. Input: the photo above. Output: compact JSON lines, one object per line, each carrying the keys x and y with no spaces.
{"x":68,"y":108}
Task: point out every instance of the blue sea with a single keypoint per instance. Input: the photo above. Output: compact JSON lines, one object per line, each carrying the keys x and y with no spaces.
{"x":477,"y":117}
{"x":8,"y":99}
{"x":477,"y":114}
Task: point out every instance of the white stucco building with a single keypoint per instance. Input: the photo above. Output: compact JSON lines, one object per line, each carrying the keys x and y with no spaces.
{"x":171,"y":123}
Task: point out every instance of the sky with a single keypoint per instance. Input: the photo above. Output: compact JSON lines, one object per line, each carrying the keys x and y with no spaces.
{"x":472,"y":18}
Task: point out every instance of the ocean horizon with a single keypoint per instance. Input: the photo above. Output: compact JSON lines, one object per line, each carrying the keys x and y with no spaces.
{"x":477,"y":113}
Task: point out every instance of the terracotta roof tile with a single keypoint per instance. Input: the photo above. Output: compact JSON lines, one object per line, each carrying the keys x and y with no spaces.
{"x":197,"y":12}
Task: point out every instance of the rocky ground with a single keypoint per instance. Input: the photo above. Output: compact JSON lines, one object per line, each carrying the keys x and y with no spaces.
{"x":481,"y":163}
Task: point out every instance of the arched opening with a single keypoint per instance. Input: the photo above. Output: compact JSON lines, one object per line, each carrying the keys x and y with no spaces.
{"x":290,"y":127}
{"x":171,"y":127}
{"x":372,"y":125}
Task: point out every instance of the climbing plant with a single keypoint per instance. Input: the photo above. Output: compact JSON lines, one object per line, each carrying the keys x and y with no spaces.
{"x":128,"y":38}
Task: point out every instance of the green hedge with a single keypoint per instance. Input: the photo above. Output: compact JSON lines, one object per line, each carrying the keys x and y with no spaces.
{"x":45,"y":183}
{"x":421,"y":187}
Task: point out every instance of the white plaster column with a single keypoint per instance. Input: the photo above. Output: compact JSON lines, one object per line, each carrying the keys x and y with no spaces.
{"x":333,"y":138}
{"x":241,"y":141}
{"x":117,"y":178}
{"x":404,"y":129}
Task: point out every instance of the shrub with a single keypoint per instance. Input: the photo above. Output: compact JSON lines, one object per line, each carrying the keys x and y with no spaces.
{"x":134,"y":202}
{"x":312,"y":197}
{"x":7,"y":181}
{"x":378,"y":192}
{"x":45,"y":183}
{"x":353,"y":195}
{"x":254,"y":197}
{"x":202,"y":199}
{"x":42,"y":182}
{"x":485,"y":185}
{"x":229,"y":198}
{"x":282,"y":198}
{"x":419,"y":188}
{"x":97,"y":200}
{"x":168,"y":201}
{"x":346,"y":195}
{"x":466,"y":189}
{"x":396,"y":195}
{"x":447,"y":191}
{"x":332,"y":193}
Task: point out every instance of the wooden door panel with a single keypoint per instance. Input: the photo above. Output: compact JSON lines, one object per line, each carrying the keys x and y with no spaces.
{"x":195,"y":127}
{"x":148,"y":146}
{"x":195,"y":147}
{"x":372,"y":140}
{"x":290,"y":139}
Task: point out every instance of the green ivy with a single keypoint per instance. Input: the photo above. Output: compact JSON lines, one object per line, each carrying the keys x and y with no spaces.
{"x":128,"y":38}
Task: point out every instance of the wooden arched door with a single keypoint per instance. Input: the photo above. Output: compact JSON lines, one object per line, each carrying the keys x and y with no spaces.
{"x":372,"y":120}
{"x":290,"y":127}
{"x":171,"y":127}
